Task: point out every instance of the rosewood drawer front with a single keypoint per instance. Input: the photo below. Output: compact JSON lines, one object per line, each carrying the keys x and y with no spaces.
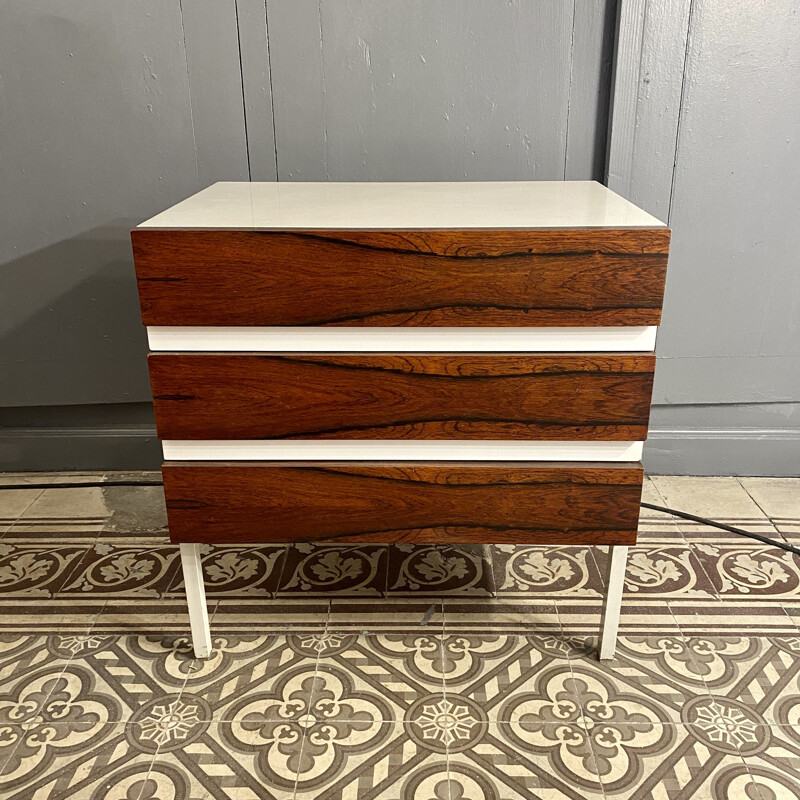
{"x":547,"y":503}
{"x":545,"y":277}
{"x":587,"y":396}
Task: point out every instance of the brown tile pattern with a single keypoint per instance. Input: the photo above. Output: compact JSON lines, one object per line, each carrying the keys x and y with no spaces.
{"x":397,"y":672}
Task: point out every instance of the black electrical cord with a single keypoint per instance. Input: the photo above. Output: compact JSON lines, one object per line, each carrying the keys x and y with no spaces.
{"x":722,"y":526}
{"x":675,"y":513}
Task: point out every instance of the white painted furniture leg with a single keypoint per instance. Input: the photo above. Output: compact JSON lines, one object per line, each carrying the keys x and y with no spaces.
{"x":615,"y":580}
{"x":196,"y":597}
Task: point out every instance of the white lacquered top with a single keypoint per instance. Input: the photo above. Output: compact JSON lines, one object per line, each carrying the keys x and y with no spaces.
{"x":404,"y":206}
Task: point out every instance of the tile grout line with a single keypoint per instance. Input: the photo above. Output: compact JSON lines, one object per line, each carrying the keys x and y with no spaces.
{"x":22,"y":514}
{"x":764,"y":512}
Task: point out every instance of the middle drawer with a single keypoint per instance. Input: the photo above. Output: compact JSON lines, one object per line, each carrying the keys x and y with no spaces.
{"x":574,"y":396}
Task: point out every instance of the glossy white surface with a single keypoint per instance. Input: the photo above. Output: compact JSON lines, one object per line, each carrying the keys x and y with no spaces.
{"x":397,"y":450}
{"x":430,"y":340}
{"x":510,"y":204}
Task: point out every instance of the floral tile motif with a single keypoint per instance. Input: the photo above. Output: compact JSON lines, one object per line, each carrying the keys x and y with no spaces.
{"x":553,"y":571}
{"x":106,"y":680}
{"x":315,"y":570}
{"x":237,"y":571}
{"x":439,"y":570}
{"x":744,"y":570}
{"x":666,"y":571}
{"x":37,"y":569}
{"x":110,"y":570}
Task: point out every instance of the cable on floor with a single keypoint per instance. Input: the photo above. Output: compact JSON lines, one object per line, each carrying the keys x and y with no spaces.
{"x":674,"y":512}
{"x":723,"y":526}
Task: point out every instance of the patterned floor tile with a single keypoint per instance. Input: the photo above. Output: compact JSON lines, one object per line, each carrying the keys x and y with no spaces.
{"x":136,"y":616}
{"x":278,"y":615}
{"x":217,"y":761}
{"x":650,"y":681}
{"x":638,"y":616}
{"x":412,"y":671}
{"x":756,"y":674}
{"x":61,"y":761}
{"x":525,"y":758}
{"x":525,"y":615}
{"x":385,"y":614}
{"x":752,"y":571}
{"x":102,"y":679}
{"x":390,"y":677}
{"x":663,"y":570}
{"x":38,"y":568}
{"x":671,"y":762}
{"x":439,"y":571}
{"x":532,"y":669}
{"x":264,"y":676}
{"x":111,"y":570}
{"x":236,"y":570}
{"x":550,"y":571}
{"x":46,"y":658}
{"x":315,"y":570}
{"x":774,"y":763}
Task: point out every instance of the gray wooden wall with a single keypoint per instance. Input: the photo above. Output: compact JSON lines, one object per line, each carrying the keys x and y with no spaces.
{"x":114,"y":109}
{"x":706,"y":135}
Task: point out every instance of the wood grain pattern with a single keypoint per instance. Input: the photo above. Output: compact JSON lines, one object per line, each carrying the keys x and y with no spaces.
{"x":555,"y":277}
{"x":432,"y":503}
{"x":390,"y":396}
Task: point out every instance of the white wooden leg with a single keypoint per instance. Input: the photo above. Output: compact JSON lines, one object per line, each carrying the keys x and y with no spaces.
{"x":196,"y":597}
{"x":615,"y":580}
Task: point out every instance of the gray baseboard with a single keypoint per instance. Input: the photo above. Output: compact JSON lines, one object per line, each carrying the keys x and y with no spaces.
{"x":706,"y":451}
{"x":710,"y":451}
{"x":79,"y":448}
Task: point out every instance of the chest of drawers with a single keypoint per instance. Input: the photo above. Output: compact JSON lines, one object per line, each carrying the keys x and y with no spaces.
{"x":420,"y":362}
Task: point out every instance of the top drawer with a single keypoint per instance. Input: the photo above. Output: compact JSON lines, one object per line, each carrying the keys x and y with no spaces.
{"x":546,"y":277}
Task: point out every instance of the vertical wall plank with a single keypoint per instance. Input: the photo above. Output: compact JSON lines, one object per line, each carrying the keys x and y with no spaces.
{"x":625,"y":94}
{"x":257,"y":88}
{"x":423,"y":90}
{"x":298,"y":97}
{"x":215,"y":84}
{"x":703,"y":137}
{"x":590,"y":89}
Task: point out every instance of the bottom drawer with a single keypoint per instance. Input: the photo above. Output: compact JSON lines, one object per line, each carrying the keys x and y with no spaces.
{"x":541,"y":502}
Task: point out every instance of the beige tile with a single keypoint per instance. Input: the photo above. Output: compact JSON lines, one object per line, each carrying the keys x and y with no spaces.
{"x":81,"y":511}
{"x":714,"y":498}
{"x":14,"y":503}
{"x":650,"y":493}
{"x":779,"y":498}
